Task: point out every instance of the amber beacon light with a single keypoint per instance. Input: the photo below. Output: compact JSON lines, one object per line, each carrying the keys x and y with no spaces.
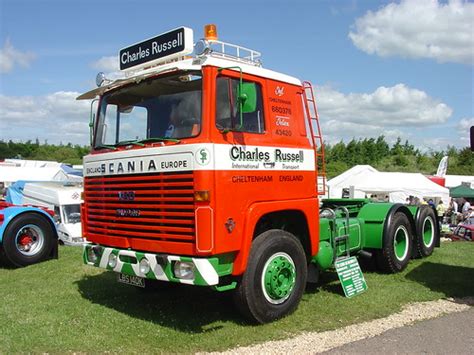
{"x":210,"y":32}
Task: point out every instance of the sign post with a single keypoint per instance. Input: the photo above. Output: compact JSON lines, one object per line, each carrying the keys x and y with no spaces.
{"x":164,"y":47}
{"x":350,"y":275}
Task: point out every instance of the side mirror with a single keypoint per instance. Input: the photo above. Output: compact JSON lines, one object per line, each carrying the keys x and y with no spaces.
{"x":247,"y":95}
{"x":92,"y":120}
{"x":125,"y":108}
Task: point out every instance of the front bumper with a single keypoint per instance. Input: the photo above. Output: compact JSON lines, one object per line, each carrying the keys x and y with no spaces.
{"x":207,"y":271}
{"x":75,"y":242}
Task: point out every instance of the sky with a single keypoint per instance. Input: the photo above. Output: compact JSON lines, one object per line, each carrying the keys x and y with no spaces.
{"x":393,"y":68}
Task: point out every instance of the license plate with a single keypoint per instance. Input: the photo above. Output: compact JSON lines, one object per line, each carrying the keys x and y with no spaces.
{"x":131,"y":280}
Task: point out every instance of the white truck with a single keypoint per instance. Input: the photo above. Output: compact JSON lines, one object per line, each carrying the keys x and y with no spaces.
{"x":64,"y":198}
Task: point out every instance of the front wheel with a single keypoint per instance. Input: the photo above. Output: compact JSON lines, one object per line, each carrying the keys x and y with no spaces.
{"x":28,"y":239}
{"x":275,"y":278}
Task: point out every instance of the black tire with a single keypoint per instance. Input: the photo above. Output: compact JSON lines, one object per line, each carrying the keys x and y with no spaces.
{"x":28,"y":239}
{"x":264,"y":299}
{"x":3,"y":259}
{"x":397,"y":245}
{"x":427,"y":231}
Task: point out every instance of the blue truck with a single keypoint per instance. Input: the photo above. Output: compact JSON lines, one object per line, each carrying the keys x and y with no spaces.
{"x":27,"y":235}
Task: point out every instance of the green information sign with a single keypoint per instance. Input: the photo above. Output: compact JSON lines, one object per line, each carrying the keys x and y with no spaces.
{"x":350,"y":275}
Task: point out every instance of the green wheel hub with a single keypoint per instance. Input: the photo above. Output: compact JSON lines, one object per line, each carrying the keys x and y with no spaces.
{"x":278,"y":278}
{"x":400,"y":243}
{"x":428,"y":232}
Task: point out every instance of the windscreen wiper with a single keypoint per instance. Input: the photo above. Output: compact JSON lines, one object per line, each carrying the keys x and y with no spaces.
{"x":159,"y":139}
{"x":105,"y":146}
{"x":132,"y":141}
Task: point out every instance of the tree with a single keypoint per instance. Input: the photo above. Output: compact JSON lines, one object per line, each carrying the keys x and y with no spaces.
{"x":397,"y":148}
{"x":382,"y":148}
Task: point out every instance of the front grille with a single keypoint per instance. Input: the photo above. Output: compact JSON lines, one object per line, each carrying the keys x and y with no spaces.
{"x":147,"y":207}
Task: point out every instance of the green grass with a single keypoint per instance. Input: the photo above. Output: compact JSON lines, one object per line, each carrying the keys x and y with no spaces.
{"x":65,"y":306}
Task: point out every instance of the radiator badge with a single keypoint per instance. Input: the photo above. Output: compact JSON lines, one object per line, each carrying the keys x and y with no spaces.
{"x":203,"y":156}
{"x":127,"y":212}
{"x":126,"y":195}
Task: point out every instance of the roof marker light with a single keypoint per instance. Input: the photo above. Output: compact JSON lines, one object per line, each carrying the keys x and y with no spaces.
{"x":210,"y":32}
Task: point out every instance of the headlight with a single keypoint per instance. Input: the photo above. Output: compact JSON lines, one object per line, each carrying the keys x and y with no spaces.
{"x":93,"y":253}
{"x":144,"y":266}
{"x":184,"y":270}
{"x":112,"y":260}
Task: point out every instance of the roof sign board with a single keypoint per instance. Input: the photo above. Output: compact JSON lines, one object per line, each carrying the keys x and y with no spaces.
{"x":164,"y":47}
{"x":351,"y":276}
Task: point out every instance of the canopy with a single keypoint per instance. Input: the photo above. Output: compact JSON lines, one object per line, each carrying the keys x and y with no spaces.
{"x":12,"y":170}
{"x":456,"y":180}
{"x":11,"y":174}
{"x":461,"y":191}
{"x":366,"y":181}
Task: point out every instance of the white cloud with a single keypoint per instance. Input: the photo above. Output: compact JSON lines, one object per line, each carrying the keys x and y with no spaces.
{"x":465,"y":124}
{"x":395,"y":106}
{"x":106,"y":64}
{"x":57,"y":117}
{"x":436,"y":144}
{"x":397,"y":111}
{"x":11,"y":57}
{"x":335,"y":131}
{"x":419,"y":29}
{"x":463,"y":127}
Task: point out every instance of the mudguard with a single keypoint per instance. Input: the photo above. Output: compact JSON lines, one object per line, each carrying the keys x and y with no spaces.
{"x":377,"y":217}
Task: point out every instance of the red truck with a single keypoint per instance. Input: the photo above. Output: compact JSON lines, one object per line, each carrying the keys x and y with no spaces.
{"x":209,"y":170}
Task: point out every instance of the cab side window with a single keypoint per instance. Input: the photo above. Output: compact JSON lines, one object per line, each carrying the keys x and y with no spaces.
{"x":228,"y":115}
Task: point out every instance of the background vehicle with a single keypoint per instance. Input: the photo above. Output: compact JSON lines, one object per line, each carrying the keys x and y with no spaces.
{"x":64,"y":198}
{"x":27,"y":235}
{"x":208,"y":170}
{"x":464,"y":231}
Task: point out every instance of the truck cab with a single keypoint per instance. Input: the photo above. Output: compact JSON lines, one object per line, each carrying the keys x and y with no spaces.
{"x":195,"y":157}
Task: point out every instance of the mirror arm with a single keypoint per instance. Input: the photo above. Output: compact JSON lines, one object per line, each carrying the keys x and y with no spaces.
{"x":241,"y":104}
{"x":117,"y":126}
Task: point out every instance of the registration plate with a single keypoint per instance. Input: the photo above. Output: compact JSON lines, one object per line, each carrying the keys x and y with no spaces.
{"x":131,"y":280}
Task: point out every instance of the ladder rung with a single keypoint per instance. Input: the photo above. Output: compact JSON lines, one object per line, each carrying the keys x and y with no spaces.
{"x":341,"y":238}
{"x":311,"y":114}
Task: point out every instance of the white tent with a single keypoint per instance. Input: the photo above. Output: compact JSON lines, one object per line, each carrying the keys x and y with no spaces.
{"x":31,"y":163}
{"x":364,"y":181}
{"x":11,"y":174}
{"x":456,"y":180}
{"x":12,"y":170}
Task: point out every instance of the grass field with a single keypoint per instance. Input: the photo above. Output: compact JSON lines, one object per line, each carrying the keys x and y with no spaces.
{"x":63,"y":305}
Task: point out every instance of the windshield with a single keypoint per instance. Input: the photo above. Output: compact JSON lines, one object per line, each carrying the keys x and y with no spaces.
{"x":167,"y":108}
{"x":72,"y":213}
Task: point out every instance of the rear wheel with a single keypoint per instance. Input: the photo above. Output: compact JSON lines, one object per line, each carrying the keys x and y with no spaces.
{"x":427,"y":232}
{"x":275,"y":279}
{"x":28,"y":239}
{"x":397,"y":245}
